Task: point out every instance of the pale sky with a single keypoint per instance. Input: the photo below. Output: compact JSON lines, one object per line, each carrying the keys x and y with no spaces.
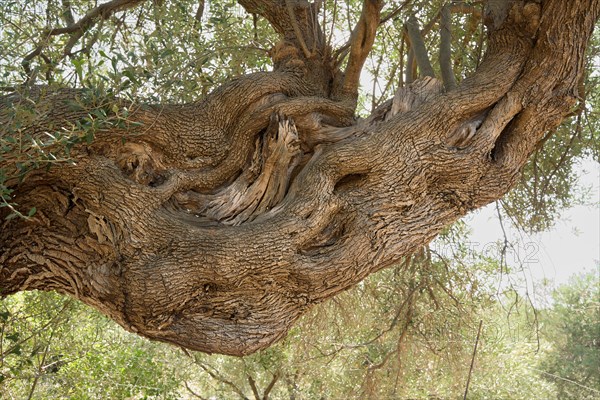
{"x":571,"y":246}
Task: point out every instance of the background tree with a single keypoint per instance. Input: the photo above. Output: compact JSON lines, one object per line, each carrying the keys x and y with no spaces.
{"x":216,"y":224}
{"x":574,"y":331}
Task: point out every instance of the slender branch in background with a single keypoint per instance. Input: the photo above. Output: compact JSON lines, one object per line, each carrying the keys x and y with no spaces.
{"x":400,"y":65}
{"x":26,"y":62}
{"x":221,"y":379}
{"x":564,"y":157}
{"x":100,"y":13}
{"x":376,"y":82}
{"x":253,"y":387}
{"x":503,"y":261}
{"x":390,"y":81}
{"x":271,"y":385}
{"x":87,"y":47}
{"x":189,"y":389}
{"x":103,"y":11}
{"x":473,"y":23}
{"x":446,"y":50}
{"x":41,"y":364}
{"x":564,"y":379}
{"x":473,"y":359}
{"x":418,"y":47}
{"x":342,"y":51}
{"x":394,"y":13}
{"x":77,"y":29}
{"x":36,"y":331}
{"x":199,"y":14}
{"x":333,"y":21}
{"x":454,"y":9}
{"x":67,"y":13}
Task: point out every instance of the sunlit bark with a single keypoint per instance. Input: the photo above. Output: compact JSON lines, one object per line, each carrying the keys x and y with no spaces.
{"x":215,"y":225}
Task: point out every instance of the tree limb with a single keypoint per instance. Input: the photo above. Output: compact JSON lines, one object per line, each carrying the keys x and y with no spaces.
{"x":119,"y":242}
{"x":296,"y":27}
{"x":271,"y":385}
{"x":361,"y":42}
{"x":445,"y":49}
{"x":253,"y":387}
{"x":418,"y":47}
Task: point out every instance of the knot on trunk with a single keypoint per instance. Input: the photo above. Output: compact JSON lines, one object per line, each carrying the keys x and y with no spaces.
{"x":287,"y":57}
{"x":261,"y":186}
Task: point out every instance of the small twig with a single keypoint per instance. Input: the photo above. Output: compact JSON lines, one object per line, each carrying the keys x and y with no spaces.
{"x":564,"y":379}
{"x":189,"y":389}
{"x":333,"y":21}
{"x":221,"y":379}
{"x":253,"y":387}
{"x":395,"y":12}
{"x":473,"y":359}
{"x":503,"y":261}
{"x":271,"y":385}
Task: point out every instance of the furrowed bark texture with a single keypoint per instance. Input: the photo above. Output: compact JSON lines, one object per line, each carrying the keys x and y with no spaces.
{"x":215,"y":225}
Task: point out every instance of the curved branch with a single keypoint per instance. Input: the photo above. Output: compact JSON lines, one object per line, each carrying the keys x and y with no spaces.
{"x":353,"y":206}
{"x":361,"y":42}
{"x":103,"y":11}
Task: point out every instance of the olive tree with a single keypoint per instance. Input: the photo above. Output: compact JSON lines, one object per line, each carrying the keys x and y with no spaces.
{"x":215,"y":224}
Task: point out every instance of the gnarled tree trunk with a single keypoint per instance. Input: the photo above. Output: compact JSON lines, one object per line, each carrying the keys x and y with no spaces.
{"x":215,"y":225}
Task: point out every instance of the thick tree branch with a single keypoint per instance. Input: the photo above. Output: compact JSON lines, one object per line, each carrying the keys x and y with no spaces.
{"x":128,"y":246}
{"x":417,"y":46}
{"x":299,"y":35}
{"x":446,"y":50}
{"x":361,"y":42}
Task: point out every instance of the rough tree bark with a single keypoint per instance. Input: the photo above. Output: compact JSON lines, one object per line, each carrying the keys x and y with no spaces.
{"x":215,"y":225}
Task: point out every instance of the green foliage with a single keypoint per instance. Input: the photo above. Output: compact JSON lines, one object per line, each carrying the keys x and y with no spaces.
{"x":158,"y":51}
{"x":54,"y":347}
{"x":573,"y":330}
{"x":31,"y":139}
